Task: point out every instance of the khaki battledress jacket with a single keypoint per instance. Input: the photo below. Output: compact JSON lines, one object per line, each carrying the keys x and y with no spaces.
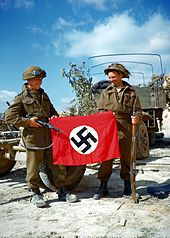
{"x":122,"y":103}
{"x":31,"y":103}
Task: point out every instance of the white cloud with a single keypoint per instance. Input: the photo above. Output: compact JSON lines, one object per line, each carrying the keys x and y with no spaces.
{"x":64,"y":104}
{"x":119,"y":34}
{"x":98,"y":4}
{"x":6,"y":95}
{"x":64,"y":25}
{"x":66,"y":100}
{"x":43,"y":49}
{"x":38,"y":30}
{"x":61,"y":24}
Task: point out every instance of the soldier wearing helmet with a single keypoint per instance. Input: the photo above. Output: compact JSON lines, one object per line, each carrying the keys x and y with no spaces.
{"x":33,"y":72}
{"x":122,"y":99}
{"x":32,"y":104}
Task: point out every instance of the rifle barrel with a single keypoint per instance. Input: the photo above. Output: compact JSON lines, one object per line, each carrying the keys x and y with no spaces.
{"x":48,"y":125}
{"x":133,"y":163}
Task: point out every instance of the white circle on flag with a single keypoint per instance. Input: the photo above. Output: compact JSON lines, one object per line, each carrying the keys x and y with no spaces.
{"x":84,"y":139}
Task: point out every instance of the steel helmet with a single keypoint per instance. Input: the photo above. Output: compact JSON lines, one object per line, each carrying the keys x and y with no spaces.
{"x":33,"y":72}
{"x":117,"y":67}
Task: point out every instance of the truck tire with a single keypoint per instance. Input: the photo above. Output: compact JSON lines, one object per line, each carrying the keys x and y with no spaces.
{"x":142,"y":142}
{"x":6,"y":165}
{"x":74,"y":176}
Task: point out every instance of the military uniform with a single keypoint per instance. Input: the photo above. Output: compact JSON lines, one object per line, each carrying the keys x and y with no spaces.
{"x":31,"y":103}
{"x":122,"y":104}
{"x":37,"y":141}
{"x":121,"y":98}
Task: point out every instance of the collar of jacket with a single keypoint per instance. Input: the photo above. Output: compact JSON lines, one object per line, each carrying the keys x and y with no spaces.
{"x":26,"y":89}
{"x":111,"y":87}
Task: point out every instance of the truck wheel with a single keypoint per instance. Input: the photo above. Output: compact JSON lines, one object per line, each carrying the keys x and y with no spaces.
{"x":142,"y":142}
{"x":74,"y":176}
{"x":6,"y":165}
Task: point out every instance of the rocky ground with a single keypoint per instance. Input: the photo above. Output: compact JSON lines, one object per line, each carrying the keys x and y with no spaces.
{"x":112,"y":217}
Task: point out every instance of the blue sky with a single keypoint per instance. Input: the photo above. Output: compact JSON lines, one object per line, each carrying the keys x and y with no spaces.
{"x":52,"y":33}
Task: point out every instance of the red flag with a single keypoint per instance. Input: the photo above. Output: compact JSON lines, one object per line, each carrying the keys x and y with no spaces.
{"x":87,"y":139}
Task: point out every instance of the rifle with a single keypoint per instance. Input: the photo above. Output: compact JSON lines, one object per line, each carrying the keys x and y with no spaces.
{"x":46,"y":124}
{"x":133,"y":163}
{"x":133,"y":160}
{"x":49,"y":126}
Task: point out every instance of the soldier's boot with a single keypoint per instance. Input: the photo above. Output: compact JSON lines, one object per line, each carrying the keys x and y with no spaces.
{"x":127,"y":188}
{"x":63,"y":195}
{"x":102,"y":192}
{"x":37,"y":198}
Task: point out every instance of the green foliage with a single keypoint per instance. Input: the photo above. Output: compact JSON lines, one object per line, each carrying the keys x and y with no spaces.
{"x":84,"y":102}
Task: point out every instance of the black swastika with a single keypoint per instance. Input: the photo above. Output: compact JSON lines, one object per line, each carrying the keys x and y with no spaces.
{"x":84,"y":139}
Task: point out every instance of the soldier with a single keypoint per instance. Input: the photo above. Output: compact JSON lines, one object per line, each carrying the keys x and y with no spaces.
{"x":121,"y":98}
{"x":32,"y":104}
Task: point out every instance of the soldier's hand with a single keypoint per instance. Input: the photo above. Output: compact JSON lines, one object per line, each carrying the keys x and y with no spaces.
{"x":53,"y":117}
{"x":135,"y":119}
{"x":34,"y":123}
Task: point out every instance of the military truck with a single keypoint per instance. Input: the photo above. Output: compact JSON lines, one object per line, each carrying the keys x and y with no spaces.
{"x":154,"y":95}
{"x":9,"y":137}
